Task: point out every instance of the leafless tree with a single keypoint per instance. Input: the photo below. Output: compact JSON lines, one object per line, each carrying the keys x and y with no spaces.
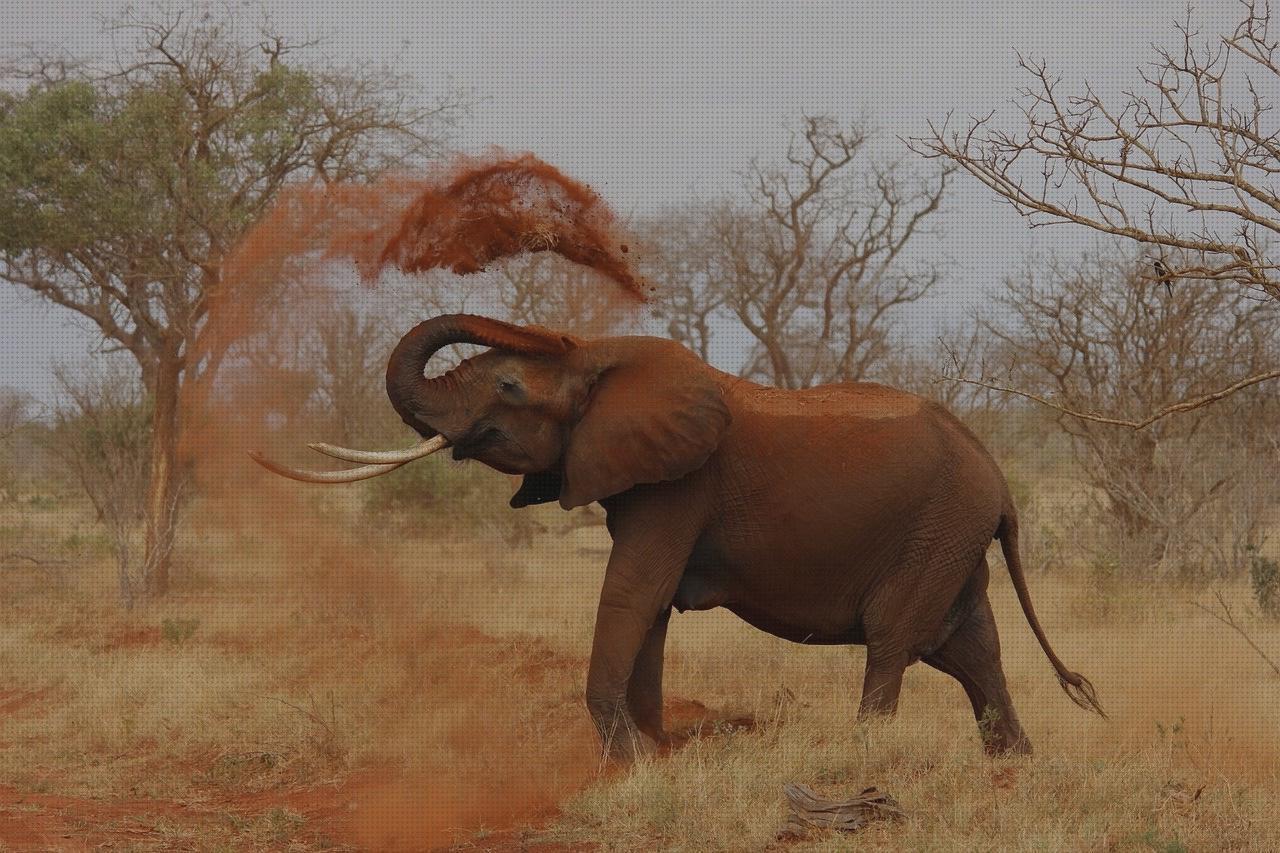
{"x":957,"y":348}
{"x":810,"y":263}
{"x":546,"y":290}
{"x":1098,"y":335}
{"x":677,"y":255}
{"x":15,"y":407}
{"x":102,"y":435}
{"x":352,"y":349}
{"x":1185,"y":163}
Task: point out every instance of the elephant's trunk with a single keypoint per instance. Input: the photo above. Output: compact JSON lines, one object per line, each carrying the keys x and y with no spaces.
{"x":416,"y":397}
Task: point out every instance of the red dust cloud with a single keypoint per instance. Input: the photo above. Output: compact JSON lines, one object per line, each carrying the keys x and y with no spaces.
{"x":461,"y":217}
{"x":250,"y":388}
{"x":506,"y":208}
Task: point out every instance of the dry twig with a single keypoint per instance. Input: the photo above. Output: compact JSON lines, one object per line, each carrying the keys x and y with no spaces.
{"x":1230,"y":621}
{"x":1183,"y":161}
{"x":1143,"y":423}
{"x":809,"y":811}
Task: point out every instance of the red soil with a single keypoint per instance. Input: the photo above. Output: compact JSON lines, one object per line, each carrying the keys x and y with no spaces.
{"x":130,"y":638}
{"x":367,"y":810}
{"x":13,"y":701}
{"x":354,"y":812}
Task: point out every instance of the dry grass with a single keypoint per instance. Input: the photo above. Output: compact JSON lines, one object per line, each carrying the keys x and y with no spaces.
{"x":315,"y":688}
{"x":1183,"y":716}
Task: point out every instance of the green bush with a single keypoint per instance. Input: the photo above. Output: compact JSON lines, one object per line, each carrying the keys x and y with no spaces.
{"x":85,"y":544}
{"x":178,"y":631}
{"x":468,"y":495}
{"x":1264,"y":574}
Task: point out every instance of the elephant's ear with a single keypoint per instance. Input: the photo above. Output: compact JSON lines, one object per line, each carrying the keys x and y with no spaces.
{"x":538,"y":488}
{"x":646,"y":421}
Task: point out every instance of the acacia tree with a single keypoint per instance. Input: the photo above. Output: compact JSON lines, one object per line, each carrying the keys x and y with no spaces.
{"x":810,"y":262}
{"x":1185,"y":163}
{"x":125,"y":188}
{"x":1097,"y":335}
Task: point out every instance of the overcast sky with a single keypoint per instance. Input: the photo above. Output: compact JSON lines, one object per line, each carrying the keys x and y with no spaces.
{"x":650,"y":103}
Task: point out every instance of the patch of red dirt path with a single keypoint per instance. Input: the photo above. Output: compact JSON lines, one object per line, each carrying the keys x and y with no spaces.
{"x":366,"y":811}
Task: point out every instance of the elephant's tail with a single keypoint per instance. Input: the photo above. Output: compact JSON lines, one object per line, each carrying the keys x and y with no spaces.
{"x":1075,"y":684}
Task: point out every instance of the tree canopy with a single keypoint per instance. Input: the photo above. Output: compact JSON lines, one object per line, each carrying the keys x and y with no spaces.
{"x":127,"y":187}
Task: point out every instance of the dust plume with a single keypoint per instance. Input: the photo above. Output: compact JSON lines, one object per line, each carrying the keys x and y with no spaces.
{"x":505,"y":208}
{"x":447,"y":730}
{"x":251,"y":368}
{"x":1201,"y":691}
{"x":462,"y":217}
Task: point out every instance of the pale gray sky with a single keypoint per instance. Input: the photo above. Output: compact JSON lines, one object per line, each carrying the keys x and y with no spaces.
{"x":649,"y":102}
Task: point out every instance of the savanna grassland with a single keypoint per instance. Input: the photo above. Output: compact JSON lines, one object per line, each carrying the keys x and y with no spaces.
{"x":322,"y":679}
{"x":195,"y":655}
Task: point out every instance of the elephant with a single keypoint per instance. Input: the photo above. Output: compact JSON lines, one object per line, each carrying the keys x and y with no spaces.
{"x":849,"y":513}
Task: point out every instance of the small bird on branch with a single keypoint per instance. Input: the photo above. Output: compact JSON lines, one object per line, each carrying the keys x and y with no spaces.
{"x":1163,"y":276}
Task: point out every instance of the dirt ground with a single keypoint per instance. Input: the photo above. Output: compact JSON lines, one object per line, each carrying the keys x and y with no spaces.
{"x":365,"y":809}
{"x":341,"y":690}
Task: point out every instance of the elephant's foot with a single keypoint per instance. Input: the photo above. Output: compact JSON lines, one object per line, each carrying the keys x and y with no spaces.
{"x":621,"y":738}
{"x":625,"y":747}
{"x":1005,"y":743}
{"x":650,"y":723}
{"x":1002,"y":734}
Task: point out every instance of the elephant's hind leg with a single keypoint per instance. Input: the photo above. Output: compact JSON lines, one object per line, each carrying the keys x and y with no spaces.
{"x":885,"y":627}
{"x":882,"y":682}
{"x":971,"y":655}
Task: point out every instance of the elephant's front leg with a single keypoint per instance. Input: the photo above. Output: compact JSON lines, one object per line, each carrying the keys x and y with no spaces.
{"x":627,"y":614}
{"x":624,"y":681}
{"x":644,"y":691}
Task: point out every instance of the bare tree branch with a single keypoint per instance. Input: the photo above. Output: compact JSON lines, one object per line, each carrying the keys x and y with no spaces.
{"x":1186,"y":165}
{"x":1184,"y":406}
{"x":1230,"y":621}
{"x":809,"y":263}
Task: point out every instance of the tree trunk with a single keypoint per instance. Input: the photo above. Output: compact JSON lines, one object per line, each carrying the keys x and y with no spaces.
{"x":161,"y":507}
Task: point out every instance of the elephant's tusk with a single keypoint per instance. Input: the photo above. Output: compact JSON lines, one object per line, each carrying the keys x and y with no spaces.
{"x":350,"y":475}
{"x":383,"y":457}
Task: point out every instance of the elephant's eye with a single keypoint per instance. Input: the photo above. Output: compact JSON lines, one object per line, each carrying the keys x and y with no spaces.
{"x":508,"y":386}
